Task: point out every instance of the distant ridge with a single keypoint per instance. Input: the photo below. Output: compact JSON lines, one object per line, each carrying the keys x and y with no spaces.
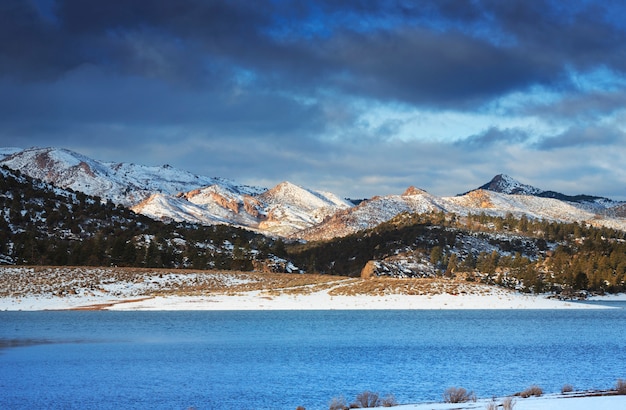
{"x":288,"y":210}
{"x":505,"y":184}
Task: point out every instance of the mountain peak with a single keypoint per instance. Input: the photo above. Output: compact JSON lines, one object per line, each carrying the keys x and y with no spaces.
{"x":504,"y":184}
{"x":410,"y":191}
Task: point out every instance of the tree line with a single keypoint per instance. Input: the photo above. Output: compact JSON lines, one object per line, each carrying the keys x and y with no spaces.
{"x":42,"y":225}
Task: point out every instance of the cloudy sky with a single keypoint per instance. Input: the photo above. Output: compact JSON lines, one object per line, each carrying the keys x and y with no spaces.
{"x":359,"y":98}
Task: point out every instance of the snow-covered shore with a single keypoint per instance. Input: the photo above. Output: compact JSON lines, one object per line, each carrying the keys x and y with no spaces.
{"x":261,"y":300}
{"x":61,"y":288}
{"x":547,"y":402}
{"x":321,"y":300}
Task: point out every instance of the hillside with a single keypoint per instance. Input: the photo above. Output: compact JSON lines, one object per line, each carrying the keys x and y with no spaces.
{"x":122,"y":183}
{"x":168,"y":194}
{"x":45,"y":225}
{"x":505,"y":184}
{"x":370,"y":213}
{"x":528,"y":255}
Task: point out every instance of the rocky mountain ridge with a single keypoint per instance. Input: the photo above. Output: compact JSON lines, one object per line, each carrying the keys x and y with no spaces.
{"x":287,"y":210}
{"x":371,"y":213}
{"x":168,"y":194}
{"x":126,"y":184}
{"x":505,"y":184}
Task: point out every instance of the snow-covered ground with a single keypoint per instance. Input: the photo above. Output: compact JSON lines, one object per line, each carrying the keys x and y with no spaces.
{"x":127,"y":299}
{"x":547,"y":402}
{"x":55,"y":288}
{"x":258,"y":300}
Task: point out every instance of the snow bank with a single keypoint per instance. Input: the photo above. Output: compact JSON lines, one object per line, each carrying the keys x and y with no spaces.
{"x":261,"y":300}
{"x":548,"y":402}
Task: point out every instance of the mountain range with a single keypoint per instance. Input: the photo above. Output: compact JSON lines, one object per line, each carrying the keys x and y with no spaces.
{"x":288,"y":210}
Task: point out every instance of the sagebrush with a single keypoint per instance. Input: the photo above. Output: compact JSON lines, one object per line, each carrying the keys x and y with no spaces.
{"x":458,"y":395}
{"x":532,"y":391}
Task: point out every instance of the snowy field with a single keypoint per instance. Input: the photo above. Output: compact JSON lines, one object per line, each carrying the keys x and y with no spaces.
{"x":258,"y":300}
{"x":57,"y":288}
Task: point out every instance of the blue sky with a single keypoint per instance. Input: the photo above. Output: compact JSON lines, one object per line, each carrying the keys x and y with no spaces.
{"x":359,"y":98}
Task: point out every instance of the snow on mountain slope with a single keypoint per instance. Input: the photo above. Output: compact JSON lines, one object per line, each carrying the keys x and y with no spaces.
{"x":377,"y":210}
{"x":498,"y":204}
{"x":372,"y":212}
{"x":290,"y":208}
{"x":506,"y":185}
{"x":287,"y":209}
{"x":282,"y":210}
{"x":166,"y":208}
{"x":299,"y":197}
{"x":228,"y":204}
{"x":126,"y":184}
{"x":167,"y":193}
{"x":169,"y":180}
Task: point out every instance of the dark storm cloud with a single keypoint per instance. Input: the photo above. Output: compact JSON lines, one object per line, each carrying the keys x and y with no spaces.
{"x":429,"y":53}
{"x":286,"y":88}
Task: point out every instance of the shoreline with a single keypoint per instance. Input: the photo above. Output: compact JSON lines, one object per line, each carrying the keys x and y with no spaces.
{"x":608,"y":400}
{"x":495,"y":299}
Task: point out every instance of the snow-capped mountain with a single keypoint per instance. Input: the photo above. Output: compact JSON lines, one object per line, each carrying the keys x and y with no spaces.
{"x":291,"y":208}
{"x":6,"y":151}
{"x":288,"y":210}
{"x":282,"y":210}
{"x":377,"y":210}
{"x":507,"y":185}
{"x":122,"y":183}
{"x":372,"y":212}
{"x":504,"y":184}
{"x":166,"y":193}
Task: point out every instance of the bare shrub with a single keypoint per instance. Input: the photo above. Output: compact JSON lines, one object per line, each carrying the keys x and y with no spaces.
{"x":620,"y":387}
{"x":567,"y":388}
{"x":367,"y":399}
{"x":532,"y":391}
{"x":492,"y":406}
{"x":338,"y":403}
{"x":458,"y":395}
{"x":389,"y":401}
{"x":300,"y":408}
{"x":508,"y":403}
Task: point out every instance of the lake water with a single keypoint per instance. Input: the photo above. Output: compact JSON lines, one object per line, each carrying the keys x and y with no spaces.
{"x":280,"y":360}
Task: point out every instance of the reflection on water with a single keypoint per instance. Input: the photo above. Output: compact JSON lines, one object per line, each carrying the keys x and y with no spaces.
{"x":613,"y":304}
{"x":10,"y":343}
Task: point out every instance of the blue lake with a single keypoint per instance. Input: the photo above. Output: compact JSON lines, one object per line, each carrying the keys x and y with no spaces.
{"x":280,"y":360}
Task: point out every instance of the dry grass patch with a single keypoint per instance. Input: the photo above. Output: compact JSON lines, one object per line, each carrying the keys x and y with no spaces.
{"x":407,"y":286}
{"x":20,"y":281}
